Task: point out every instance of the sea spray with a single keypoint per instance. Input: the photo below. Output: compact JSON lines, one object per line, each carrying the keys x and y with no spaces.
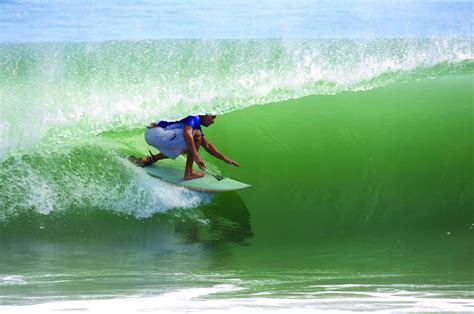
{"x":56,"y":93}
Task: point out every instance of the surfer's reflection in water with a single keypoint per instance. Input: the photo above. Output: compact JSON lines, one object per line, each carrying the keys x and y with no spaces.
{"x":172,"y":138}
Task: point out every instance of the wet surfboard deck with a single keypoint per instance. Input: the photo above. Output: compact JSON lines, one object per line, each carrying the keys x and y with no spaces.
{"x":209,"y":183}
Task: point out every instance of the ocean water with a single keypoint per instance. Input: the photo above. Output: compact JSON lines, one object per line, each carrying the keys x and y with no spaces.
{"x":352,"y":121}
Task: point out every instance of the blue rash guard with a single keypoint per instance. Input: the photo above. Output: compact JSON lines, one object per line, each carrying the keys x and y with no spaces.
{"x":193,"y":121}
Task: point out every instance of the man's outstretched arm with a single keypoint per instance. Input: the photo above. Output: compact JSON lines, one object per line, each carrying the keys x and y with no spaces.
{"x":212,"y":149}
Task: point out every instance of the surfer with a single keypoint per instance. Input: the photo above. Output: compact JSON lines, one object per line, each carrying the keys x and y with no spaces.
{"x":177,"y":137}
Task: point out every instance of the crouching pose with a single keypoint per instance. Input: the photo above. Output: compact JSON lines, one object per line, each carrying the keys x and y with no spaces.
{"x":183,"y":136}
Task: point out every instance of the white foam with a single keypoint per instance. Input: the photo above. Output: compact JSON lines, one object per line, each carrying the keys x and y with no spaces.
{"x":201,"y":300}
{"x":8,"y":280}
{"x":89,"y":88}
{"x":57,"y":187}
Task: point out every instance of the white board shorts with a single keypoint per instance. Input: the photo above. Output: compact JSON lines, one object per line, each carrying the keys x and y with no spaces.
{"x":169,"y":141}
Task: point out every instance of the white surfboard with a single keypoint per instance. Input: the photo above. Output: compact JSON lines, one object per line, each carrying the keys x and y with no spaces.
{"x":209,"y":183}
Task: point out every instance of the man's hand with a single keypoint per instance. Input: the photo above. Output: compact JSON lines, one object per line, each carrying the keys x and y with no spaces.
{"x":198,"y":160}
{"x":231,"y":162}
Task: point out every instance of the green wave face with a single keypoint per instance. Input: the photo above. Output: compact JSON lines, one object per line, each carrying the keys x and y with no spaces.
{"x":354,"y":137}
{"x":396,"y":159}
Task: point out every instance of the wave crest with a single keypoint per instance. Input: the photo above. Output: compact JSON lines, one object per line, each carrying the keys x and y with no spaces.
{"x":55,"y":93}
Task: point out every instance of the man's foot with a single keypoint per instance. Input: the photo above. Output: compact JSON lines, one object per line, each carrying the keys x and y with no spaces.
{"x":140,"y":162}
{"x":193,"y":175}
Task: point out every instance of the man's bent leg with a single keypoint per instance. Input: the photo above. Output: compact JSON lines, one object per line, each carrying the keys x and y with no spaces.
{"x":147,"y":160}
{"x":189,"y":173}
{"x":159,"y":156}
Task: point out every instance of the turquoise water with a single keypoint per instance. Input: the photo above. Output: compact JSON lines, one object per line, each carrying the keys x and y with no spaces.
{"x":359,"y":150}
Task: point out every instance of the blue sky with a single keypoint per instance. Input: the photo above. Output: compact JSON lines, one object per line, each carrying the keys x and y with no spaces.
{"x":70,"y":21}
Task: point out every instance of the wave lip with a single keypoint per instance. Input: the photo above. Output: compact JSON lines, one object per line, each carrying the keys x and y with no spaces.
{"x":55,"y":93}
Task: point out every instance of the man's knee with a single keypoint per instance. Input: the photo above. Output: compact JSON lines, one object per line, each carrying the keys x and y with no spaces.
{"x":197,"y":136}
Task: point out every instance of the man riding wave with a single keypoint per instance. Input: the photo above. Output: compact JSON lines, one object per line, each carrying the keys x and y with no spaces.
{"x":172,"y":138}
